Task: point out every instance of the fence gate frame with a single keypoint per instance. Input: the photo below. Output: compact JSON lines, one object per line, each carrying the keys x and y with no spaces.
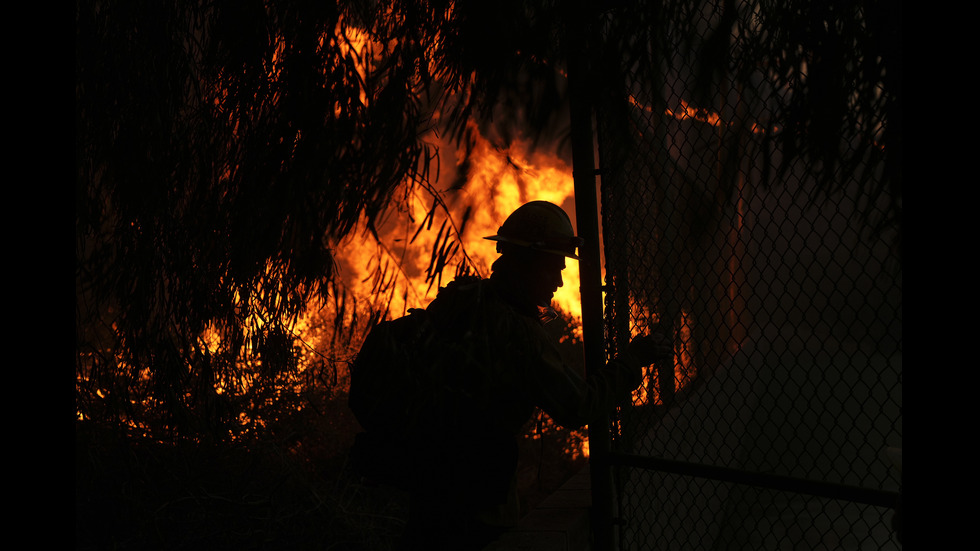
{"x":584,"y":92}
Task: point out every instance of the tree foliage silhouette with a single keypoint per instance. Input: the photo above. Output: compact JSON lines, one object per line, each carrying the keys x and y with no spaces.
{"x":223,"y":148}
{"x":833,"y":69}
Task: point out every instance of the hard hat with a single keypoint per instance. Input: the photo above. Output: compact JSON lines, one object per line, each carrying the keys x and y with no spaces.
{"x":541,"y":226}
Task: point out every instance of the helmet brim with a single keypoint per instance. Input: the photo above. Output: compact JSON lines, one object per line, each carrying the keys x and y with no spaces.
{"x":538,"y":246}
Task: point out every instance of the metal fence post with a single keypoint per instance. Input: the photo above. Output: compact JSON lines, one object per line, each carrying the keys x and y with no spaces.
{"x":586,"y":212}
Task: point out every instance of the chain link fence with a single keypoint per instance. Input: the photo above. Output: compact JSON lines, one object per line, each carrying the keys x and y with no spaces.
{"x":776,"y":425}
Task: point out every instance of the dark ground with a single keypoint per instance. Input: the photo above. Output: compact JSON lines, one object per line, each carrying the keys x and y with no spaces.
{"x":132,"y":494}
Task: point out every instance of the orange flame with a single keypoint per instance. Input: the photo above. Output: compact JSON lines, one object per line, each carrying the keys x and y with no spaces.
{"x":688,"y":112}
{"x":499,"y":180}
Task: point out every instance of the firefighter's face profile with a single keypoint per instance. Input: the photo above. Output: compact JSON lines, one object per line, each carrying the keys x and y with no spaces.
{"x":543,"y":277}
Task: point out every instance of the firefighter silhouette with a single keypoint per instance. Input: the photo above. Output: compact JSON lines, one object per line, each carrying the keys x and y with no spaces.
{"x":463,"y":400}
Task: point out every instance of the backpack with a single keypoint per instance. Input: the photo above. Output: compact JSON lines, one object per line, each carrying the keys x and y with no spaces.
{"x":389,"y":376}
{"x":415,"y":371}
{"x":409,"y":391}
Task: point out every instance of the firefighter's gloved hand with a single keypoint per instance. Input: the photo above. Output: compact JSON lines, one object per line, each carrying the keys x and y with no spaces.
{"x":655,"y":347}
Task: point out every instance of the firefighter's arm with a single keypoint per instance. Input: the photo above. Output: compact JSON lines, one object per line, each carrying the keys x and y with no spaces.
{"x":572,"y":400}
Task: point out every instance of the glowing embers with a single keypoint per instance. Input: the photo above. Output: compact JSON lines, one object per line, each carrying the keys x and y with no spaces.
{"x":574,"y":443}
{"x":686,"y":111}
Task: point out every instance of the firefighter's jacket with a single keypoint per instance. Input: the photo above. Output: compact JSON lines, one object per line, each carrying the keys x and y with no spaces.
{"x":498,"y":356}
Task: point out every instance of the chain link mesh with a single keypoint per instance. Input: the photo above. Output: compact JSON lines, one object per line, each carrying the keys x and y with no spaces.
{"x":786,"y":315}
